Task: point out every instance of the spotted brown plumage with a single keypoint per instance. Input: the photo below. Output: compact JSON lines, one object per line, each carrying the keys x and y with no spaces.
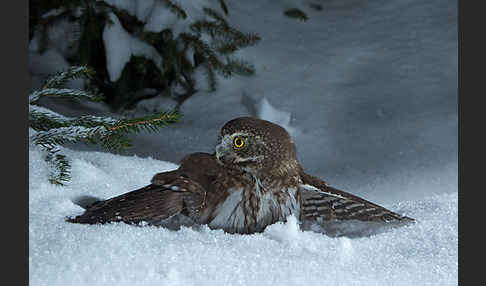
{"x":252,"y":180}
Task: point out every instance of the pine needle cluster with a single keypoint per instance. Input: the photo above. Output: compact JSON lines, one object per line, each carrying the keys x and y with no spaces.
{"x":52,"y":130}
{"x":225,"y":40}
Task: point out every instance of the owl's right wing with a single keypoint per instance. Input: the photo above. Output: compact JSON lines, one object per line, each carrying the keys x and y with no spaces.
{"x":172,"y":194}
{"x":180,"y":197}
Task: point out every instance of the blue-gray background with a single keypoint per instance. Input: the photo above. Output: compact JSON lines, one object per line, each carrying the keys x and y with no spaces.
{"x":370,"y":88}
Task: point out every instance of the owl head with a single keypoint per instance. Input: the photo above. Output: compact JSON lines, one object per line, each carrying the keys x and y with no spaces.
{"x":256,"y":146}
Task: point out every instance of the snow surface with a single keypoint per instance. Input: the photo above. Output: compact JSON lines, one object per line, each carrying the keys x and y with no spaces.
{"x":62,"y":253}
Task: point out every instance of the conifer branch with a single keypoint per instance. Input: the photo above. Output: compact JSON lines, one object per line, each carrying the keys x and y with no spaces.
{"x":148,"y":123}
{"x":176,"y":9}
{"x":63,"y":92}
{"x":239,"y":67}
{"x":60,"y":172}
{"x":53,"y":129}
{"x":216,"y":16}
{"x":223,"y":7}
{"x":203,"y":48}
{"x":62,"y":135}
{"x":74,"y":72}
{"x":42,"y":119}
{"x":92,"y":16}
{"x":237,"y":42}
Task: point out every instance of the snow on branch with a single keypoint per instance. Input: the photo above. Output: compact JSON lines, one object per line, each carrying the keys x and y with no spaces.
{"x":64,"y":92}
{"x":71,"y":73}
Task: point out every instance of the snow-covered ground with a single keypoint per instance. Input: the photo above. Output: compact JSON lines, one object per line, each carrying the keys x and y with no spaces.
{"x":368,"y":90}
{"x":61,"y":253}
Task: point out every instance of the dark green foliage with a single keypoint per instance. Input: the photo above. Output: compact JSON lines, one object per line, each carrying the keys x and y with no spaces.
{"x":175,"y":9}
{"x":53,"y":129}
{"x":223,"y":6}
{"x":59,"y":165}
{"x":118,"y":131}
{"x":296,"y":13}
{"x":238,"y":66}
{"x":225,"y":40}
{"x":138,"y":74}
{"x":182,"y":53}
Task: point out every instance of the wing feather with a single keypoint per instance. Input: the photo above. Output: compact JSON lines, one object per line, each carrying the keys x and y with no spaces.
{"x":173,"y":198}
{"x":331,"y":204}
{"x":151,"y":204}
{"x":327,"y":209}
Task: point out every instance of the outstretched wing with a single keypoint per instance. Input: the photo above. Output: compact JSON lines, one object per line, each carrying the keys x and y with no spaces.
{"x":181,"y":197}
{"x":176,"y":197}
{"x":326,"y":209}
{"x":330,"y":204}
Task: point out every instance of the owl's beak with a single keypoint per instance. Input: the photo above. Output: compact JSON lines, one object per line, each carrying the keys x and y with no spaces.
{"x":220,"y":153}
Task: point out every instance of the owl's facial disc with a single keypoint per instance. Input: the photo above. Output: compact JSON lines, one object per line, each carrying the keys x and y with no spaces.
{"x":239,"y":150}
{"x":257,"y":146}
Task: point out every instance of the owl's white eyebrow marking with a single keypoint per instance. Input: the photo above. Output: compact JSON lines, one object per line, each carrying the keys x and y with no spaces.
{"x":239,"y":134}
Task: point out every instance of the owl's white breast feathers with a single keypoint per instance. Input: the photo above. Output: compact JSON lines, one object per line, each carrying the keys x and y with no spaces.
{"x":262,"y":208}
{"x":228,"y":209}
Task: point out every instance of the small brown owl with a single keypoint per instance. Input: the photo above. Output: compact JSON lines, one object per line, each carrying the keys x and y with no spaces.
{"x":252,"y":180}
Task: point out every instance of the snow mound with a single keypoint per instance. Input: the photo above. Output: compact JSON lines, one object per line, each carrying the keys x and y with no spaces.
{"x":268,"y":112}
{"x":61,"y":253}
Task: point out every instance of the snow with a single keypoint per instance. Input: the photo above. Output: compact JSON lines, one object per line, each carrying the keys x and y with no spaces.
{"x":157,"y":17}
{"x":61,"y":41}
{"x":268,"y":112}
{"x":139,"y":9}
{"x":62,"y":253}
{"x":40,"y":109}
{"x":121,"y":45}
{"x":49,"y":63}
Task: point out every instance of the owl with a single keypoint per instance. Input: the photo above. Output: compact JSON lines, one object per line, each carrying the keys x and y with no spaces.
{"x":252,"y":180}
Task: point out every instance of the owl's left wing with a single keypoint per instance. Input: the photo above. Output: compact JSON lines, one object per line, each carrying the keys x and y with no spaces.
{"x":335,"y":212}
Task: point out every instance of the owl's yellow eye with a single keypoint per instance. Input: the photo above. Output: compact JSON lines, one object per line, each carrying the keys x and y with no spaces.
{"x":238,"y":142}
